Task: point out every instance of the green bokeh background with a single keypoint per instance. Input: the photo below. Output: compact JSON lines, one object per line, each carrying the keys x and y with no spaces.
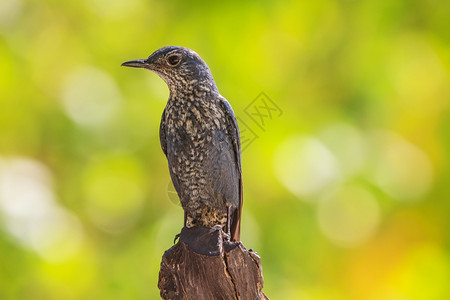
{"x":346,"y":184}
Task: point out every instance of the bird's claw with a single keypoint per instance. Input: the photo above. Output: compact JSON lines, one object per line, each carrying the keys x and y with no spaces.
{"x":177,"y":236}
{"x":224,"y":234}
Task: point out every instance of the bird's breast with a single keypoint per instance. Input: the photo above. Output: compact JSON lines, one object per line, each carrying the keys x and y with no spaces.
{"x":194,"y":118}
{"x":193,"y":128}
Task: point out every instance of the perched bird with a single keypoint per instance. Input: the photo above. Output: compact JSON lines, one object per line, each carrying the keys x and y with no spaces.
{"x":200,"y":137}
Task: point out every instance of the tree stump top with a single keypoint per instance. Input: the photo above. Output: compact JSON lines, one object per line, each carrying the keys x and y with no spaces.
{"x":202,"y":265}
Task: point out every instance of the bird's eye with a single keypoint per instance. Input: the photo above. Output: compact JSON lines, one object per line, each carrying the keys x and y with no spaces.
{"x":173,"y":60}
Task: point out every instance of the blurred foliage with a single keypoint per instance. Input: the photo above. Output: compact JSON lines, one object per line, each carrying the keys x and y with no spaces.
{"x":346,"y":153}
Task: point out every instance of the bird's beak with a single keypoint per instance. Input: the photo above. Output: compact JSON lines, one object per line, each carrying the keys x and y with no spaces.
{"x":137,"y":63}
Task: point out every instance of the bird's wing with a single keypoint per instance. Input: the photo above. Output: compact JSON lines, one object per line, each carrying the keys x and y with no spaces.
{"x":163,"y":140}
{"x":162,"y":133}
{"x":233,"y":132}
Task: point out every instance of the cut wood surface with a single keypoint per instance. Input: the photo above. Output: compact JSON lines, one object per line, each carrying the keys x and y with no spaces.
{"x":202,"y":265}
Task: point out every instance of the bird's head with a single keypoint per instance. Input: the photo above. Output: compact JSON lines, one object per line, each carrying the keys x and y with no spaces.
{"x":180,"y":68}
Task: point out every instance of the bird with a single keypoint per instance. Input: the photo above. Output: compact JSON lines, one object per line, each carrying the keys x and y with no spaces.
{"x":200,"y":137}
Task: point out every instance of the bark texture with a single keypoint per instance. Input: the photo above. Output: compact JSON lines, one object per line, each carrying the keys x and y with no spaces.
{"x":201,"y":265}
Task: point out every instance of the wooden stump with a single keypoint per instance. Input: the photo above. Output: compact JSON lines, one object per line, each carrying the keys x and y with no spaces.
{"x":204,"y":266}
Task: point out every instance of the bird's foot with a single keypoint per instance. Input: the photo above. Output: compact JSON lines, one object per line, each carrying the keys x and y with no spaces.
{"x":177,"y":236}
{"x":215,"y":228}
{"x":223,"y":234}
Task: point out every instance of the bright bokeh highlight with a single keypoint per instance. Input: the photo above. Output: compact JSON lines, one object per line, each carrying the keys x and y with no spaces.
{"x":343,"y":107}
